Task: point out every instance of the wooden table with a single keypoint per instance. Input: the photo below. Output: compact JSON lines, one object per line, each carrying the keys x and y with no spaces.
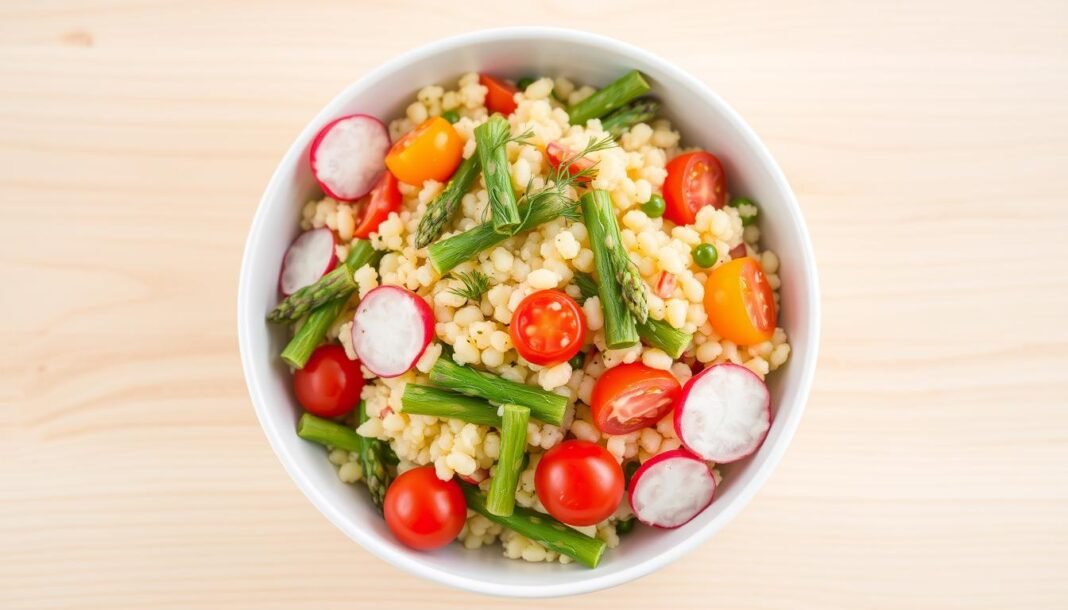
{"x":927,"y":142}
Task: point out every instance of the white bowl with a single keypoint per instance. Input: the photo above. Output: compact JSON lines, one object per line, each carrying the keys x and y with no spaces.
{"x":704,"y":120}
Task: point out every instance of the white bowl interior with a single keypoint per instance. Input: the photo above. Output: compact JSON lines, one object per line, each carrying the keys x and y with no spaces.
{"x":704,"y":120}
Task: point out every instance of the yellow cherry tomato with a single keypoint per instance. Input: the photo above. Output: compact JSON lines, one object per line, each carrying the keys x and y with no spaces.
{"x":431,"y":151}
{"x":739,"y":302}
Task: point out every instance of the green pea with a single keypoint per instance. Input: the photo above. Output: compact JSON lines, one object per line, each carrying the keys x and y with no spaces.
{"x":654,"y":208}
{"x":747,"y":210}
{"x":705,"y":255}
{"x":577,"y":360}
{"x":625,"y":527}
{"x":524,"y":82}
{"x":451,"y":116}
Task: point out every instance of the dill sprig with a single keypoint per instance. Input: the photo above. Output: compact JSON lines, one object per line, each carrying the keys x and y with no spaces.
{"x":475,"y":284}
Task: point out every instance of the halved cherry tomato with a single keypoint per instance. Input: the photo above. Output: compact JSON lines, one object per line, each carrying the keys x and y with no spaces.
{"x":558,"y":153}
{"x":329,"y":385}
{"x":548,"y":328}
{"x":423,"y":511}
{"x":739,"y":302}
{"x":633,"y":396}
{"x":385,"y":197}
{"x":500,"y":96}
{"x":431,"y":151}
{"x":579,"y":482}
{"x":694,"y":180}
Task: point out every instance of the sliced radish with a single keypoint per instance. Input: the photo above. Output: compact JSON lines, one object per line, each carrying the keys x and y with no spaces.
{"x":390,"y":330}
{"x":738,"y":251}
{"x":724,"y":413}
{"x":348,"y":155}
{"x":671,"y":488}
{"x":311,"y":256}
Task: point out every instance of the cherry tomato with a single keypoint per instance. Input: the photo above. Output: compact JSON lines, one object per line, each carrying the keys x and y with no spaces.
{"x":431,"y":151}
{"x":385,"y":197}
{"x":579,"y":482}
{"x":423,"y":511}
{"x":739,"y":302}
{"x":630,"y":397}
{"x":548,"y":328}
{"x":500,"y":96}
{"x":694,"y":180}
{"x":558,"y":153}
{"x":329,"y":385}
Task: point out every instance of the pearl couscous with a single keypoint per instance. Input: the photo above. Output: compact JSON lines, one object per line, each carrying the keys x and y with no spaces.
{"x":478,"y":309}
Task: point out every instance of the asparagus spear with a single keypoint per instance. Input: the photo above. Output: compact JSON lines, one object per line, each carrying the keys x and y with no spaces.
{"x":447,"y":253}
{"x":619,"y":328}
{"x":546,"y":406}
{"x":490,"y":138}
{"x":622,"y":90}
{"x":542,"y":529}
{"x":311,"y":333}
{"x":328,"y":433}
{"x":373,"y":459}
{"x":425,"y":400}
{"x":501,"y":498}
{"x":638,"y":111}
{"x":656,"y":333}
{"x":334,"y":285}
{"x":439,"y":210}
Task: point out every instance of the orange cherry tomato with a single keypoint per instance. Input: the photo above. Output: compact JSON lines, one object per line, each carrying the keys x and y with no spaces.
{"x":739,"y":302}
{"x":694,"y":180}
{"x":385,"y":197}
{"x":500,"y":96}
{"x":548,"y":328}
{"x":558,"y":153}
{"x":633,"y":396}
{"x":431,"y":151}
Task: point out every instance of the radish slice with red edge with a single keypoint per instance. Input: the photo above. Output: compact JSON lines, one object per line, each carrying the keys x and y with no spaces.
{"x":671,"y":488}
{"x":738,"y":251}
{"x":391,"y":329}
{"x":348,"y":155}
{"x":724,"y":413}
{"x":311,"y":256}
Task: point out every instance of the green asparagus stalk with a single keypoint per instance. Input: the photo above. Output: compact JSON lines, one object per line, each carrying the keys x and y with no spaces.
{"x":501,"y":497}
{"x":544,"y":405}
{"x":490,"y":138}
{"x":616,"y":95}
{"x":639,"y":111}
{"x":440,"y":210}
{"x":448,"y":253}
{"x":334,"y":285}
{"x":619,"y":326}
{"x":328,"y":433}
{"x":660,"y":334}
{"x":425,"y":400}
{"x":311,"y":333}
{"x":373,"y":460}
{"x":542,"y":529}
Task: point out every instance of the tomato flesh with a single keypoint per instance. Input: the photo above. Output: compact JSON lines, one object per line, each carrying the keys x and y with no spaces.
{"x":548,"y":328}
{"x":694,"y":180}
{"x":579,"y":482}
{"x":558,"y":154}
{"x":500,"y":96}
{"x":740,"y":303}
{"x":431,"y":151}
{"x":632,"y":396}
{"x":423,"y":511}
{"x":329,"y":385}
{"x":385,"y":197}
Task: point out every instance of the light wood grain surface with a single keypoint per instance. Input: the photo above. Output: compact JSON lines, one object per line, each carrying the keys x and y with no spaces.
{"x":927,"y":142}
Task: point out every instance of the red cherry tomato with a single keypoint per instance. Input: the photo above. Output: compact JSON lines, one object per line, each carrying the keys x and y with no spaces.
{"x":630,"y":397}
{"x":385,"y":197}
{"x":500,"y":96}
{"x":329,"y":385}
{"x":558,"y":153}
{"x":423,"y":511}
{"x":548,"y":328}
{"x":694,"y":180}
{"x":579,"y":482}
